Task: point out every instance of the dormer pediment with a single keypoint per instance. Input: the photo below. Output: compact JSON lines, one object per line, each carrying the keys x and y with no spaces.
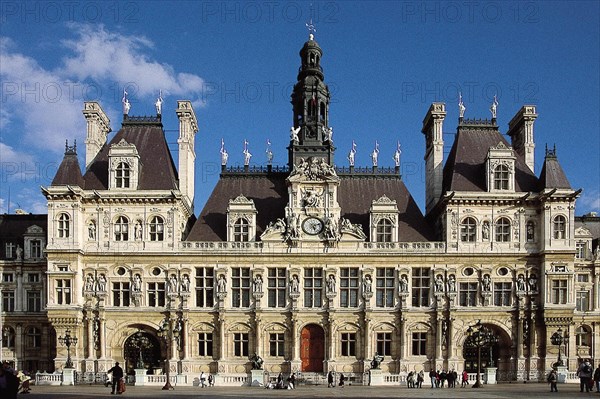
{"x":500,"y":168}
{"x":124,"y":166}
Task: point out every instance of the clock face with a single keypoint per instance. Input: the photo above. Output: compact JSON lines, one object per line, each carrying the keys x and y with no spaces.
{"x":312,"y":226}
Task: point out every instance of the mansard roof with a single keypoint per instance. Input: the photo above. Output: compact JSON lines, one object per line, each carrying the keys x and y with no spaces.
{"x":270,"y":196}
{"x":157,"y":169}
{"x":465,"y":167}
{"x":552,"y":175}
{"x":14,"y":226}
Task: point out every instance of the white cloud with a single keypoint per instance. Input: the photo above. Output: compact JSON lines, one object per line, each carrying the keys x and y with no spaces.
{"x":589,"y":201}
{"x":9,"y":155}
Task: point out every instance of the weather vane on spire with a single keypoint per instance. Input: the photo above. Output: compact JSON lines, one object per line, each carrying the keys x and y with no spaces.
{"x":311,"y":29}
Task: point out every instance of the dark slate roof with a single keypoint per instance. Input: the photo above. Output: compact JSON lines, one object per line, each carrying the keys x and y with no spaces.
{"x":13,"y":227}
{"x":269,"y":193}
{"x":552,"y":175}
{"x":465,"y":167}
{"x":157,"y":169}
{"x":69,"y":172}
{"x":592,"y":223}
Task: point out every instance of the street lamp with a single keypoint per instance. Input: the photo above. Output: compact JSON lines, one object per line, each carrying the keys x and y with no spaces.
{"x":557,"y":339}
{"x":68,"y":340}
{"x":141,"y":342}
{"x":165,"y":332}
{"x":480,"y":338}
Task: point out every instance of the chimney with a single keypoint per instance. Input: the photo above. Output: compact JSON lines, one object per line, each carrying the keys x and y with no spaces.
{"x":98,"y":127}
{"x":188,"y":127}
{"x":434,"y":153}
{"x":520,"y":130}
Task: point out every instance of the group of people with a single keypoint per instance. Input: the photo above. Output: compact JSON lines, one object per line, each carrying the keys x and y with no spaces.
{"x":415,"y":380}
{"x":439,"y":378}
{"x":588,"y":377}
{"x":279,"y":384}
{"x":206,"y":381}
{"x":11,"y":382}
{"x":331,"y":380}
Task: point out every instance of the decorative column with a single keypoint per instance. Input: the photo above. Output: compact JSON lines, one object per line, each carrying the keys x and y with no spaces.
{"x":89,"y":321}
{"x":103,"y":342}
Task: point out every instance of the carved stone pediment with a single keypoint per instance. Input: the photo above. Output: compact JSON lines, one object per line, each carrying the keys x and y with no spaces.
{"x":312,"y":169}
{"x":35,"y":229}
{"x":582,"y":231}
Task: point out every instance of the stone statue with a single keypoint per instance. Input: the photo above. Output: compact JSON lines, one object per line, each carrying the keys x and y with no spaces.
{"x":137,"y":283}
{"x":19,"y":251}
{"x":331,"y":232}
{"x":461,"y":106}
{"x":92,"y":230}
{"x":485,"y":230}
{"x":247,"y":156}
{"x":224,"y":154}
{"x":403,"y":284}
{"x":376,"y":362}
{"x":533,"y":283}
{"x":158,"y":104}
{"x":126,"y":104}
{"x":269,"y":153}
{"x":367,"y":284}
{"x":294,"y":133}
{"x":294,"y":285}
{"x":257,"y":362}
{"x":486,"y":283}
{"x":521,"y":283}
{"x":331,"y":284}
{"x":329,"y":135}
{"x":101,"y":283}
{"x":221,"y":284}
{"x":494,"y":107}
{"x":185,"y":283}
{"x":310,"y":197}
{"x":439,"y":283}
{"x":257,"y":284}
{"x":452,"y":283}
{"x":352,"y":153}
{"x":137,"y":231}
{"x":89,"y":283}
{"x":397,"y":155}
{"x":375,"y":154}
{"x":173,"y":283}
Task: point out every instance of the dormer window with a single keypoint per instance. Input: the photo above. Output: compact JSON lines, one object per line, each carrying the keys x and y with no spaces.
{"x":501,"y":176}
{"x":122,"y":229}
{"x":122,"y":176}
{"x":241,"y":230}
{"x":500,"y":168}
{"x":156,"y":229}
{"x":384,"y":231}
{"x":468,"y":230}
{"x":559,"y":228}
{"x":503,"y":230}
{"x":64,"y":226}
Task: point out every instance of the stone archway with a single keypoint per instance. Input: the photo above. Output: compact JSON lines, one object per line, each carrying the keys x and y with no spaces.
{"x":499,"y":355}
{"x":312,"y":348}
{"x":145,"y":345}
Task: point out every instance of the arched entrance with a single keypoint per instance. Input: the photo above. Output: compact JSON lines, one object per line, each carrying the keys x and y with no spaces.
{"x":141,"y":346}
{"x":312,"y":348}
{"x":498,"y":355}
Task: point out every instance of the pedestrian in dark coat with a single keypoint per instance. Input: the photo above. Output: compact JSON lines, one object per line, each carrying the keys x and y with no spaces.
{"x":330,"y":383}
{"x":117,"y":374}
{"x":9,"y":383}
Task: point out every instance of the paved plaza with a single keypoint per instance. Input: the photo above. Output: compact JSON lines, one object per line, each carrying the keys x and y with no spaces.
{"x":516,"y":390}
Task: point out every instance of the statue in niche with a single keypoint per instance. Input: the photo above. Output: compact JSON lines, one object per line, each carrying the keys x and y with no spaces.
{"x":486,"y":283}
{"x":294,"y":285}
{"x":137,"y":230}
{"x":137,"y":283}
{"x":221,"y":284}
{"x":92,"y":230}
{"x":257,"y":284}
{"x":101,"y":283}
{"x":367,"y":284}
{"x":331,"y":284}
{"x":173,"y":283}
{"x":521,"y":283}
{"x":294,"y":134}
{"x":89,"y":283}
{"x":533,"y":283}
{"x":452,"y":283}
{"x":404,"y":284}
{"x":439,"y":283}
{"x":485,"y":230}
{"x":185,"y":283}
{"x":19,"y":251}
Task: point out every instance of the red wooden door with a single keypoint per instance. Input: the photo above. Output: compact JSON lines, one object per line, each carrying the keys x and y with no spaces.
{"x":312,"y":348}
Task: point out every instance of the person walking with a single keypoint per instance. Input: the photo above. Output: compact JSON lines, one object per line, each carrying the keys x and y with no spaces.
{"x":9,"y":383}
{"x":211,"y":380}
{"x":330,"y":379}
{"x":597,"y":378}
{"x":420,"y":378}
{"x":432,"y":377}
{"x":342,"y":379}
{"x":117,"y":375}
{"x":553,"y":379}
{"x":292,"y":382}
{"x":202,"y":380}
{"x":584,"y":372}
{"x":465,"y":379}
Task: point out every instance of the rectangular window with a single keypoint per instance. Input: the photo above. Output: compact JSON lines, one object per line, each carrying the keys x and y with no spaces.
{"x":349,"y":287}
{"x":277,"y":282}
{"x":583,"y":278}
{"x":583,"y":301}
{"x":420,"y":286}
{"x":240,"y":287}
{"x":277,"y":344}
{"x":8,"y":301}
{"x":419,"y":344}
{"x":313,"y":287}
{"x":10,"y":250}
{"x":33,"y":277}
{"x":468,"y":294}
{"x":34,"y":338}
{"x":384,"y":291}
{"x":502,"y":294}
{"x":580,"y":250}
{"x":348,"y":344}
{"x":7,"y":277}
{"x":120,"y":292}
{"x":559,"y":292}
{"x":36,"y":248}
{"x":205,"y":280}
{"x":34,"y":301}
{"x":205,"y":344}
{"x":240,"y":344}
{"x":384,"y":344}
{"x":156,"y":294}
{"x":63,"y":292}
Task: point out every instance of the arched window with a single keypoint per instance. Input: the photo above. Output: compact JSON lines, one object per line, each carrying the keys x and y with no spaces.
{"x":34,"y":338}
{"x":560,"y":227}
{"x":384,"y":231}
{"x":503,"y":230}
{"x":241,"y":230}
{"x":468,"y":230}
{"x":122,"y":175}
{"x":583,"y":336}
{"x":530,"y":231}
{"x":64,"y":226}
{"x":157,"y":228}
{"x":501,"y":176}
{"x":122,"y":229}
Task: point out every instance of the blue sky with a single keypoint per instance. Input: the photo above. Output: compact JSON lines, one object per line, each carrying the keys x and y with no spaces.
{"x":385,"y":62}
